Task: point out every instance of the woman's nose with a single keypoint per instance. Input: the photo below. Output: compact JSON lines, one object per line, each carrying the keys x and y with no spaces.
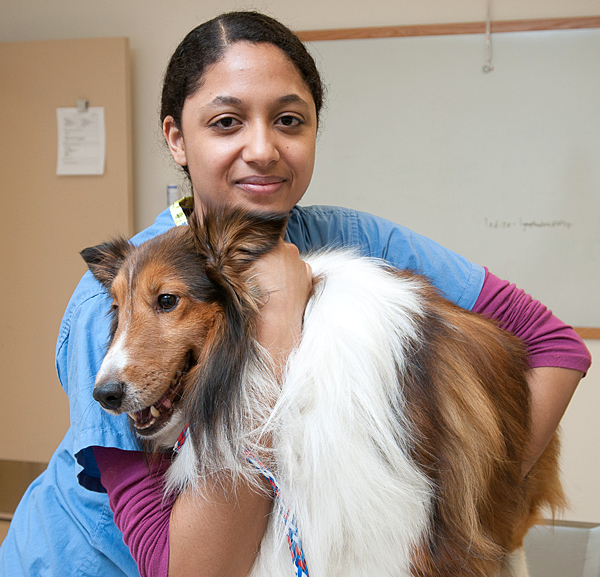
{"x":260,"y":147}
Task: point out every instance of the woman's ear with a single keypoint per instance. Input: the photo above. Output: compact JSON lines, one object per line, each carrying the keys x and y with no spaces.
{"x":174,"y":138}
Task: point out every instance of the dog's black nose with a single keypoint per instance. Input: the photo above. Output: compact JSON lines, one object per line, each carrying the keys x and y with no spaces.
{"x":109,"y":395}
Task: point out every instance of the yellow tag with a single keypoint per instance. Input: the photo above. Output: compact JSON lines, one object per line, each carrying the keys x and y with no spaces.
{"x":177,"y":209}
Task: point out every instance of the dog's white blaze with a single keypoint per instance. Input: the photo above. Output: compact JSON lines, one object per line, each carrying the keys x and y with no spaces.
{"x":116,"y":359}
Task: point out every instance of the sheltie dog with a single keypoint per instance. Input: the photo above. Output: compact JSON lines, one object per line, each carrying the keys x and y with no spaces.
{"x":396,"y":434}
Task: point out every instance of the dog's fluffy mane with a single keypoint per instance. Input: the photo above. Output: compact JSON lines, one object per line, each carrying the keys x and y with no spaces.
{"x":399,"y":426}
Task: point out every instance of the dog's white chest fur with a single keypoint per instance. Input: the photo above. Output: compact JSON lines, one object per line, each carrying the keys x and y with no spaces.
{"x":359,"y":501}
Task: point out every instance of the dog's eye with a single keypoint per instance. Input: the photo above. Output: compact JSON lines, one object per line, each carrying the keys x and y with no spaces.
{"x":167,"y":302}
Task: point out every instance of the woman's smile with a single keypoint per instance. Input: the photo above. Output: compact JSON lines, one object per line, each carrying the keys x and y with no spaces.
{"x":261,"y":185}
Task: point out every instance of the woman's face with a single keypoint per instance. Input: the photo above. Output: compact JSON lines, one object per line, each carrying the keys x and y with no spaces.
{"x":248,"y":133}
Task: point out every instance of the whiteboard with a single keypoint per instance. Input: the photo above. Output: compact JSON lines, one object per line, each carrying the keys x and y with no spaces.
{"x":503,"y":168}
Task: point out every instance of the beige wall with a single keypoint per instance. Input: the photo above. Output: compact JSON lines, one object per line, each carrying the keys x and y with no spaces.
{"x":155,"y":27}
{"x":581,"y":445}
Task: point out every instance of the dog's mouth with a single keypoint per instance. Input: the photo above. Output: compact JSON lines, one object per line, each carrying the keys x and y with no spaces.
{"x":150,"y":420}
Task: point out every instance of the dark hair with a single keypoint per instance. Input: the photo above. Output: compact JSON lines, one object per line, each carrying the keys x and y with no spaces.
{"x":206,"y":45}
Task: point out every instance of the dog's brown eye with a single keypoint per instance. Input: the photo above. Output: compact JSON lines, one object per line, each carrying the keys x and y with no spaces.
{"x":167,"y":302}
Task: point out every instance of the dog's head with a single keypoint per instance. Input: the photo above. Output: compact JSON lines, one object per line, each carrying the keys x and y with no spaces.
{"x":184,"y":314}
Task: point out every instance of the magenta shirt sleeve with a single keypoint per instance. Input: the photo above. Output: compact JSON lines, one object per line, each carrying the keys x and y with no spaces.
{"x":136,"y":496}
{"x":550,"y":342}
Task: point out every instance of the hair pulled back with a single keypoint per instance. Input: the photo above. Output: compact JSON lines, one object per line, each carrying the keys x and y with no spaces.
{"x":206,"y":44}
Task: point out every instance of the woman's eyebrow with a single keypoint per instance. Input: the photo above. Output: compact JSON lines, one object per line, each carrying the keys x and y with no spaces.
{"x":226,"y":100}
{"x":291,"y":99}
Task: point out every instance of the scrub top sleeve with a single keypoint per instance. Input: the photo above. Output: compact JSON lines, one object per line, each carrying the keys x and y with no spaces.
{"x":458,"y":279}
{"x":550,"y":342}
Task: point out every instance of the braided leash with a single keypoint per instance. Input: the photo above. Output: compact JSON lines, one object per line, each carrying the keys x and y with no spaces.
{"x":181,"y":439}
{"x":293,"y":536}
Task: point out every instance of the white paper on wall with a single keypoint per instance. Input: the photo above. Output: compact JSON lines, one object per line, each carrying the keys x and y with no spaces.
{"x":81,"y":141}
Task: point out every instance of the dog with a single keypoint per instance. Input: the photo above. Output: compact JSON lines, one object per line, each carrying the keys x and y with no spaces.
{"x":395,"y":436}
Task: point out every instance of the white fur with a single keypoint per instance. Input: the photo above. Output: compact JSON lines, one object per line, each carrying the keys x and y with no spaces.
{"x":340,"y":452}
{"x":179,"y":475}
{"x":115,"y":361}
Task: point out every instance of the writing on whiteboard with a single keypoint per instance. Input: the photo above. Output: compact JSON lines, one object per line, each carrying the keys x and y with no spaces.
{"x":526,"y":225}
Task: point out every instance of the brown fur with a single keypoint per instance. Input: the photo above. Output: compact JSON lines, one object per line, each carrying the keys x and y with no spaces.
{"x":472,"y":428}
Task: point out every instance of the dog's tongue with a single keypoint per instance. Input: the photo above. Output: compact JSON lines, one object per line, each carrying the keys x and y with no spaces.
{"x":147,"y":415}
{"x":142,"y":417}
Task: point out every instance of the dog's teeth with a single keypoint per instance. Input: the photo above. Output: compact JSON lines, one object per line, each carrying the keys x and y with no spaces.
{"x":154,"y":411}
{"x":145,"y":425}
{"x":133,"y":416}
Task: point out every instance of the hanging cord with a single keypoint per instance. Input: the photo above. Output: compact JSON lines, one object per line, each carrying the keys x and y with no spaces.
{"x":293,"y":535}
{"x":488,"y":39}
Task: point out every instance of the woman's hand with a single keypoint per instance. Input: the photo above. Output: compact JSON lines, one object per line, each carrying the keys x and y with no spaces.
{"x":287,"y":283}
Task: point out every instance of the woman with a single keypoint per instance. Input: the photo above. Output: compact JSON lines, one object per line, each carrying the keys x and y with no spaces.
{"x":240,"y":113}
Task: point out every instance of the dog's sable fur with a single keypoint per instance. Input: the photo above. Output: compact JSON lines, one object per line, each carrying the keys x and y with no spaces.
{"x":397,"y":432}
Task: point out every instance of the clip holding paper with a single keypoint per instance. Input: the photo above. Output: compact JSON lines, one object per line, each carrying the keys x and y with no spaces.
{"x":83,"y":105}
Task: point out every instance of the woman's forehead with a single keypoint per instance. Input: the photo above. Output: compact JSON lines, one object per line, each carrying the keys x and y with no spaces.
{"x":249,"y":69}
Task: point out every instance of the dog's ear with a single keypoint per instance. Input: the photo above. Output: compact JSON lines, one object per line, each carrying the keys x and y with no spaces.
{"x":105,"y":259}
{"x":230,"y":240}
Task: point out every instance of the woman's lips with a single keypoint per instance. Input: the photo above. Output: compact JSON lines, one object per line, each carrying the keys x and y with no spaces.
{"x":261,"y":184}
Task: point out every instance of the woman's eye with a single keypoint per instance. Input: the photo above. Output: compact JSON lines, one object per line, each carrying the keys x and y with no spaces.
{"x":167,"y":302}
{"x":290,"y":120}
{"x":226,"y":122}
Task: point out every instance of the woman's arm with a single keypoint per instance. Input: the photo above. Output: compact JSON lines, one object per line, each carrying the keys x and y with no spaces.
{"x":551,"y":390}
{"x":217,"y":534}
{"x":558,"y":357}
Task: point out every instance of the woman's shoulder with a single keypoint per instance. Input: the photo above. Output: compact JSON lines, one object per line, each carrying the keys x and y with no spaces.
{"x":321,"y":226}
{"x":316,"y":227}
{"x":340,"y":225}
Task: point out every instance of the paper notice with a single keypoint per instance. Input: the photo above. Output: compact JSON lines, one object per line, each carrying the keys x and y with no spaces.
{"x":81,"y":141}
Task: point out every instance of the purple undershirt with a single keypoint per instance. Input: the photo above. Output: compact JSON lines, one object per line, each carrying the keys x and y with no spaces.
{"x":136,"y":496}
